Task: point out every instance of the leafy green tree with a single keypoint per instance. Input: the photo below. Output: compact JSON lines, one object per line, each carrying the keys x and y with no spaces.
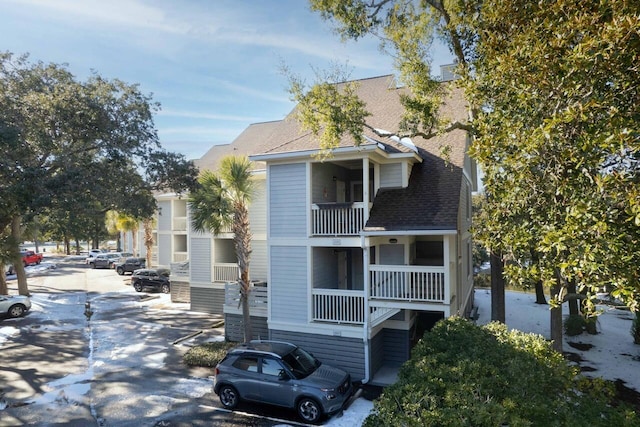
{"x":78,"y":149}
{"x":553,"y":92}
{"x":559,"y":142}
{"x":223,"y":200}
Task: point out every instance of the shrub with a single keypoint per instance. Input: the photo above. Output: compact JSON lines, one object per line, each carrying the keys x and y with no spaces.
{"x":574,"y":325}
{"x":207,"y":354}
{"x":461,"y":374}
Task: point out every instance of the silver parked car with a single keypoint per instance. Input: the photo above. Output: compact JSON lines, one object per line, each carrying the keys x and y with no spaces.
{"x":14,"y":305}
{"x":283,"y":374}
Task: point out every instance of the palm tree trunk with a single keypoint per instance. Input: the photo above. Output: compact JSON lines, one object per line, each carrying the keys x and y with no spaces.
{"x":148,"y":239}
{"x":242,"y":243}
{"x":245,"y":289}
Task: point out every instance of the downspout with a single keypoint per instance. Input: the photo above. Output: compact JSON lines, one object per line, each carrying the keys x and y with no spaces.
{"x":365,"y":329}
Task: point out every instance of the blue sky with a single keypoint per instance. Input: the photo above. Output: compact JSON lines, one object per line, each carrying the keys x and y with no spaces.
{"x":213,"y":65}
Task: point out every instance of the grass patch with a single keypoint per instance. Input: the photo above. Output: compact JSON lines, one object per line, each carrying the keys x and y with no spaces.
{"x":208,"y":354}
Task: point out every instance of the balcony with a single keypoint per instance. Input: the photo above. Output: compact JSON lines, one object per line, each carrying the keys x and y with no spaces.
{"x":180,"y":256}
{"x":338,"y":306}
{"x":180,"y":223}
{"x":389,"y":283}
{"x":408,"y":283}
{"x":337,"y":219}
{"x":225,"y":272}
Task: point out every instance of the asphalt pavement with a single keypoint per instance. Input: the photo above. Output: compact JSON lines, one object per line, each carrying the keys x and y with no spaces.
{"x":93,"y":352}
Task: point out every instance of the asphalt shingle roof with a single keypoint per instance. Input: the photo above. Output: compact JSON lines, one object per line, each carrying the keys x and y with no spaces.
{"x":429,"y":202}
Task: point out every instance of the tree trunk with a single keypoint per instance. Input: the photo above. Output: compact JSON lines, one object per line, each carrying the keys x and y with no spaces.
{"x":4,"y":289}
{"x":16,"y":234}
{"x":574,"y":309}
{"x":245,"y":289}
{"x":497,"y":288}
{"x":556,"y":319}
{"x":540,"y":298}
{"x":242,"y":243}
{"x":148,"y":239}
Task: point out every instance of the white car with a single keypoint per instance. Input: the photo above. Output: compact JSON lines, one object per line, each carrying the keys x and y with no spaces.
{"x":14,"y":305}
{"x":92,"y":255}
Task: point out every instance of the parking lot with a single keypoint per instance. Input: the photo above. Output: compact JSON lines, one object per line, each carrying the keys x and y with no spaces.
{"x":92,"y":351}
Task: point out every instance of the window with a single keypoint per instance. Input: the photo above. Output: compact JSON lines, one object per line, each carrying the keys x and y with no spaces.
{"x":247,"y":363}
{"x":271,"y":367}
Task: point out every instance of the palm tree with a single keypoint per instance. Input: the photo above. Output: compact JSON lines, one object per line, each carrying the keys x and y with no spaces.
{"x":223,"y":200}
{"x":111,"y":222}
{"x":148,"y":224}
{"x":128,"y":223}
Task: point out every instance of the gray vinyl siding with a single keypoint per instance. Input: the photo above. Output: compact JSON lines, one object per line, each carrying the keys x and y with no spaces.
{"x":341,"y":352}
{"x":396,"y":346}
{"x":258,"y":265}
{"x":207,"y":300}
{"x":258,"y":209}
{"x":289,"y":284}
{"x":287,"y":205}
{"x":180,"y":291}
{"x":234,"y":329}
{"x":200,"y":260}
{"x":164,"y":215}
{"x":376,"y":348}
{"x":164,"y":249}
{"x":391,"y":175}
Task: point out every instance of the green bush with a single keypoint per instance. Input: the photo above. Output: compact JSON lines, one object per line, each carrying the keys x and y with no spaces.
{"x":207,"y":354}
{"x":461,"y":374}
{"x":574,"y":325}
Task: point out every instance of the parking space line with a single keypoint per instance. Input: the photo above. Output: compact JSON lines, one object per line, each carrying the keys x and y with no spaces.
{"x":247,"y":414}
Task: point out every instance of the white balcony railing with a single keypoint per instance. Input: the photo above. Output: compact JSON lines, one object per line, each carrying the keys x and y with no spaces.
{"x":340,"y":306}
{"x":180,"y":256}
{"x":180,"y":223}
{"x":407,"y":283}
{"x":225,"y":272}
{"x":337,"y":219}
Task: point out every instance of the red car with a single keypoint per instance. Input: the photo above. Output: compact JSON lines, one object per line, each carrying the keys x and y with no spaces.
{"x":30,"y":257}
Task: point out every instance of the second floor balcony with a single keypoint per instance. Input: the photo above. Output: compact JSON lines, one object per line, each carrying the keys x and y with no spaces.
{"x":391,"y":288}
{"x":337,"y":219}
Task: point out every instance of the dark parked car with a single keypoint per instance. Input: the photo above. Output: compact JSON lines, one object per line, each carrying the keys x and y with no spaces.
{"x":282,"y":374}
{"x":130,"y":265}
{"x":156,"y":278}
{"x":105,"y":260}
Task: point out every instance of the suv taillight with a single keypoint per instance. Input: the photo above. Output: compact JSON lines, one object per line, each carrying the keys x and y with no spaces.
{"x":217,"y":370}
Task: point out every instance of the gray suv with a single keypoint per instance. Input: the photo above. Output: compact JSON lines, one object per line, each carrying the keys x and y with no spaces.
{"x":283,"y":374}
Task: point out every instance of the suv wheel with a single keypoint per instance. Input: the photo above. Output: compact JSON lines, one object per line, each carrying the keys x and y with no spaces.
{"x":137,"y":286}
{"x":309,"y":410}
{"x":228,"y":396}
{"x":120,"y":270}
{"x":165,"y":288}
